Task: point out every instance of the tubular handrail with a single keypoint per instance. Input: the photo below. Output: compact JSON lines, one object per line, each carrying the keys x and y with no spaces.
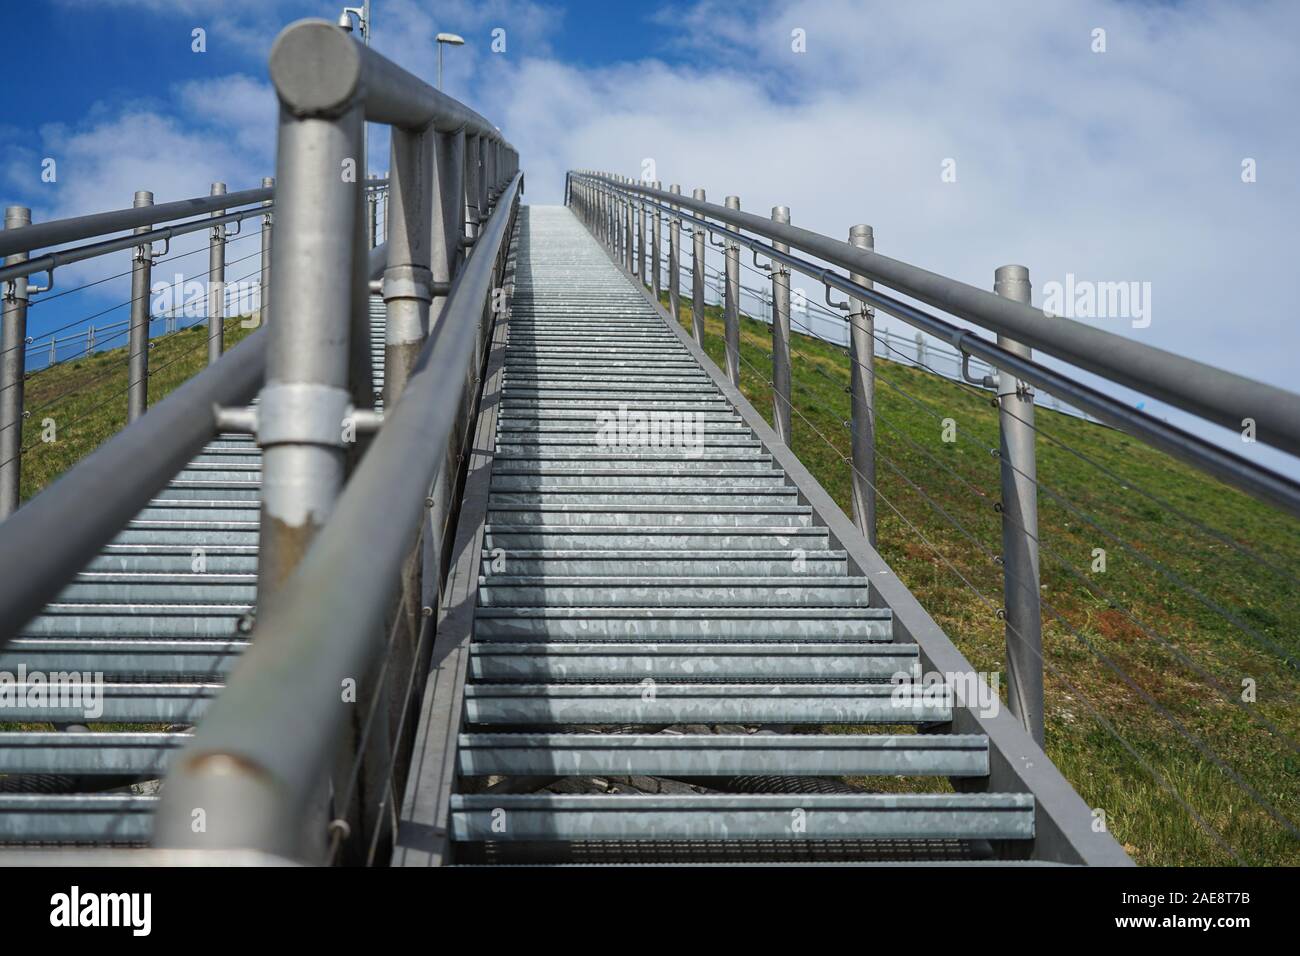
{"x":1211,"y":393}
{"x":57,"y":232}
{"x":120,"y":477}
{"x":319,"y":70}
{"x":1247,"y":475}
{"x":266,"y":743}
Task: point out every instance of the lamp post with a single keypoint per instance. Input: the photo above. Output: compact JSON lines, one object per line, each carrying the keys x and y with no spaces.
{"x":444,"y":39}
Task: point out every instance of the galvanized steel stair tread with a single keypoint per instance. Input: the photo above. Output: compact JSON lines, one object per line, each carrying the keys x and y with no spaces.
{"x":162,"y":632}
{"x":640,"y":586}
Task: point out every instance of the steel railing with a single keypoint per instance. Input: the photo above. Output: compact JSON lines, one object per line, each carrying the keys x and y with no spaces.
{"x":358,"y":486}
{"x":615,"y":208}
{"x":150,"y":224}
{"x":341,"y":593}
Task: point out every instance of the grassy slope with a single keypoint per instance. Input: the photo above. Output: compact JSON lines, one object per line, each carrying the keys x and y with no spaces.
{"x":86,"y":399}
{"x":1135,"y":614}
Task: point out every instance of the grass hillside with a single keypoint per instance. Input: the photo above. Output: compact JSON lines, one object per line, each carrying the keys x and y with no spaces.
{"x":86,"y":399}
{"x":1146,"y":660}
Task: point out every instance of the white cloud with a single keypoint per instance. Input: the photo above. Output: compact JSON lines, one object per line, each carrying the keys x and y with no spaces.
{"x":1123,"y":165}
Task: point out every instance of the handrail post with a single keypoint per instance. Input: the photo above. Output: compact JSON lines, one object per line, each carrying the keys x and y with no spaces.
{"x":697,"y":277}
{"x":641,"y":236}
{"x":407,"y":276}
{"x":781,"y":334}
{"x":655,"y":237}
{"x":675,"y":259}
{"x":731,"y":309}
{"x":471,"y":187}
{"x":372,"y":212}
{"x":862,"y":377}
{"x":629,"y":244}
{"x":306,"y":397}
{"x":449,"y":151}
{"x":268,"y":229}
{"x":216,"y":283}
{"x":12,"y":369}
{"x":1019,"y":506}
{"x":137,"y":387}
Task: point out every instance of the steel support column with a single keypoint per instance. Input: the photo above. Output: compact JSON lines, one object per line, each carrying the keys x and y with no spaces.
{"x":731,"y":308}
{"x":862,"y":387}
{"x":12,"y":370}
{"x":217,"y":283}
{"x":1020,"y":569}
{"x":781,"y":334}
{"x":137,"y":363}
{"x":697,"y":279}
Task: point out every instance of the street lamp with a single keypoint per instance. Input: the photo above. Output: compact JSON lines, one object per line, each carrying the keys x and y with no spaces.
{"x":444,"y":38}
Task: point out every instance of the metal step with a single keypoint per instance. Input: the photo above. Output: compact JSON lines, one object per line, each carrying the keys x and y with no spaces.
{"x":94,"y":754}
{"x":647,"y":563}
{"x":694,"y":592}
{"x":798,"y":817}
{"x":681,"y":624}
{"x":81,"y":818}
{"x":679,"y":661}
{"x":669,"y":703}
{"x":721,"y":755}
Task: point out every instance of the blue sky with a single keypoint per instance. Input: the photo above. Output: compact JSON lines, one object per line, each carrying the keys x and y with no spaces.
{"x":1121,"y":165}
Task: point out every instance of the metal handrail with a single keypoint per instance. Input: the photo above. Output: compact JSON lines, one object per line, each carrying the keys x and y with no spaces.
{"x":263,"y":754}
{"x":57,"y":232}
{"x":1102,"y":350}
{"x":1214,"y":394}
{"x":259,"y":755}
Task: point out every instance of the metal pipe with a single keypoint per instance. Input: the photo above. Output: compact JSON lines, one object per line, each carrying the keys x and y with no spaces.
{"x":216,"y":285}
{"x":137,"y":387}
{"x":255,"y":785}
{"x":408,"y":278}
{"x":471,"y":187}
{"x":675,"y":260}
{"x":655,"y":237}
{"x":862,"y":387}
{"x":268,"y":228}
{"x":1219,"y":396}
{"x":781,"y":417}
{"x":731,"y":309}
{"x":638,"y":262}
{"x":629,"y":244}
{"x":372,"y":216}
{"x":12,"y":371}
{"x":120,"y":477}
{"x":306,"y":396}
{"x":317,"y":67}
{"x":1020,"y":569}
{"x":1247,"y":475}
{"x":697,"y":279}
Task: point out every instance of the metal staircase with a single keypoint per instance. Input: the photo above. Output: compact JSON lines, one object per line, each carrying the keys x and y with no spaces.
{"x":163,"y":613}
{"x":666,"y":644}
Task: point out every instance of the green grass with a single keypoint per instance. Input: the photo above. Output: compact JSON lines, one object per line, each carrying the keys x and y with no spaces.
{"x":1138,"y":614}
{"x":81,"y":403}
